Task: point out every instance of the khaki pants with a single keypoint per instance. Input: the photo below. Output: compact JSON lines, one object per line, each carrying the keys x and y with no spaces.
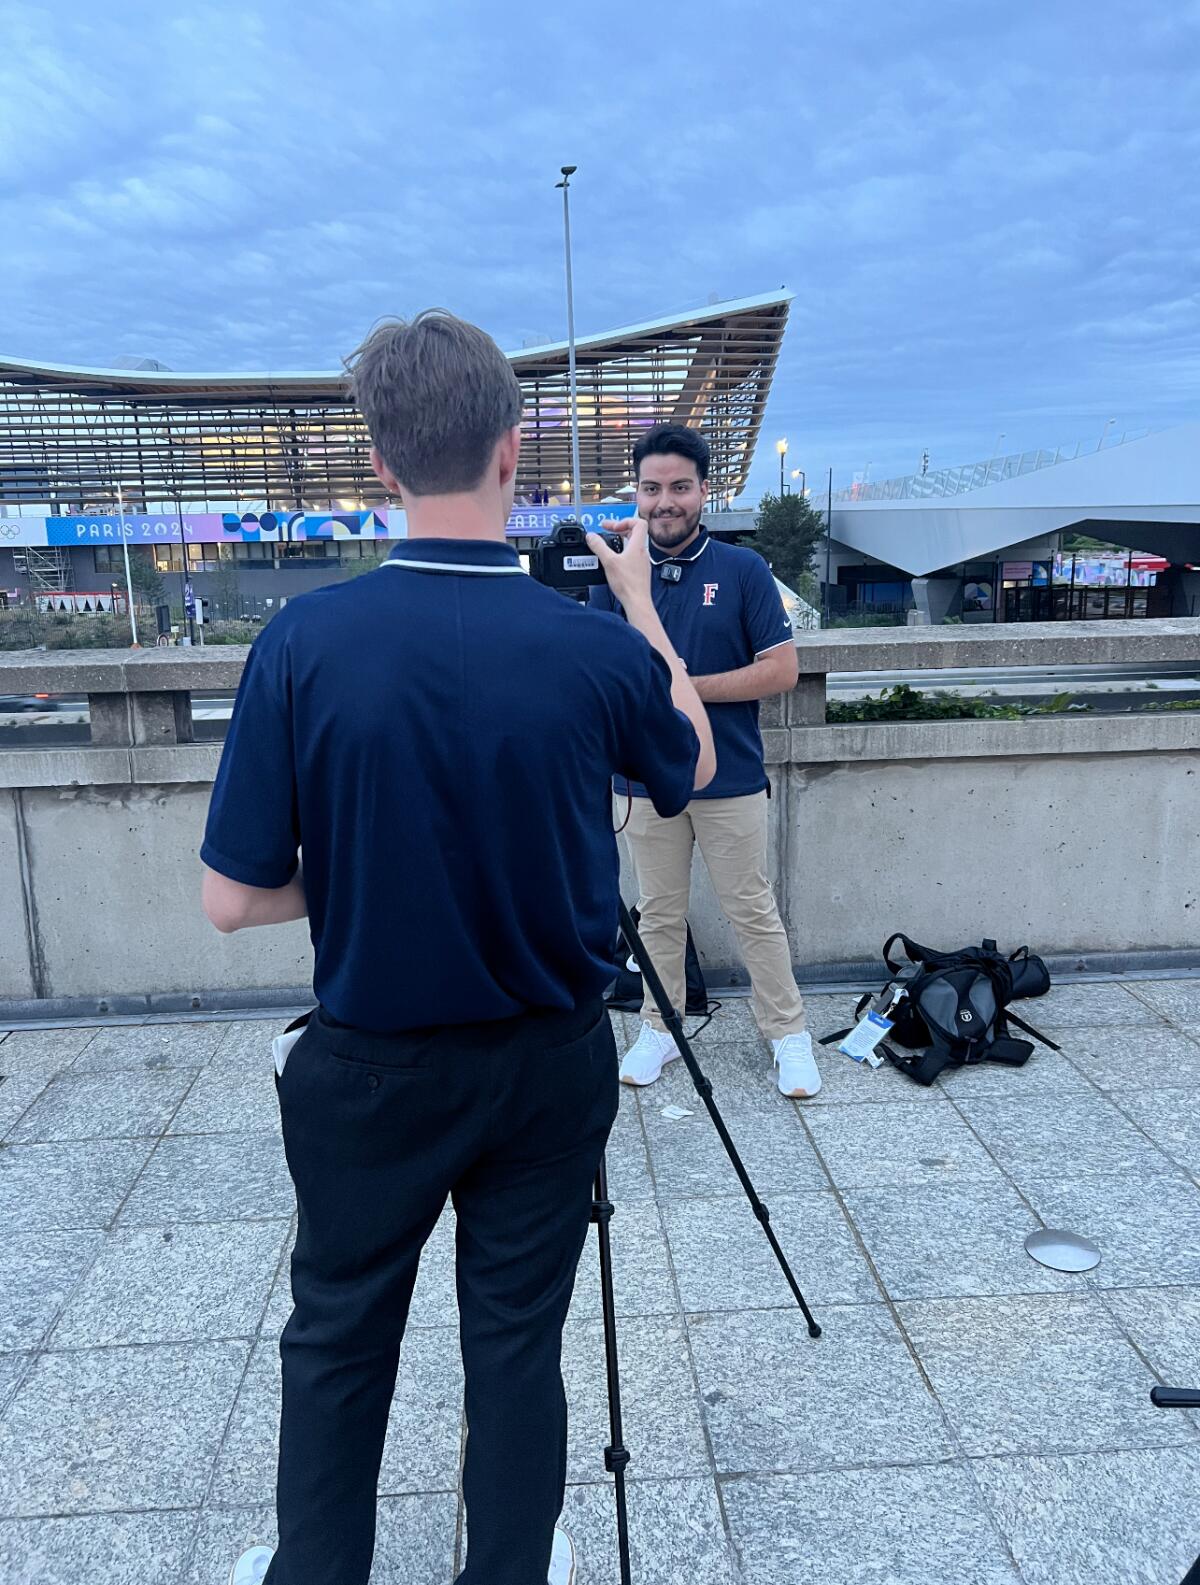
{"x":732,"y":833}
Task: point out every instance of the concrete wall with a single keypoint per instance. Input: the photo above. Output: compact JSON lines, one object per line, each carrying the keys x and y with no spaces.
{"x":115,"y":900}
{"x":1073,"y":834}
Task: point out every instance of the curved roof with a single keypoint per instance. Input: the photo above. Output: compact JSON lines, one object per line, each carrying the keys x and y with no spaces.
{"x":142,"y":381}
{"x":1144,"y":493}
{"x":71,"y":434}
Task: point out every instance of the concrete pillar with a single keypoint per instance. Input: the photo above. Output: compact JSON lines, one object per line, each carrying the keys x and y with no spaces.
{"x":806,"y":702}
{"x":936,"y":599}
{"x":120,"y":719}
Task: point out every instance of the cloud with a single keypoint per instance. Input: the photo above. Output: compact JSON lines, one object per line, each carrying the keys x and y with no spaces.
{"x":988,"y":214}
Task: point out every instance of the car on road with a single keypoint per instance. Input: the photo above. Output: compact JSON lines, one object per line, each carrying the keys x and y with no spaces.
{"x":20,"y":703}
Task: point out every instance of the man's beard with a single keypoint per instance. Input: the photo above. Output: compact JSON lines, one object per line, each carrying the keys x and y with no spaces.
{"x":667,"y":532}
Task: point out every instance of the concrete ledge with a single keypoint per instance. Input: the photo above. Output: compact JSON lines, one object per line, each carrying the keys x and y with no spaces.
{"x":66,"y":767}
{"x":122,"y":670}
{"x":1174,"y":640}
{"x":1166,"y":640}
{"x":1170,"y":731}
{"x":176,"y":762}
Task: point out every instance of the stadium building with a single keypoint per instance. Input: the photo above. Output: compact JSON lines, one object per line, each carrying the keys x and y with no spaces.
{"x":263,"y":483}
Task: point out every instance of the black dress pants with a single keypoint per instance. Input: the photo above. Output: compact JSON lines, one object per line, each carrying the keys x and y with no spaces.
{"x":509,"y":1119}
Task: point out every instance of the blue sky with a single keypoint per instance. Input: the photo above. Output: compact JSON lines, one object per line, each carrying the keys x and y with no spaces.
{"x":989,"y":213}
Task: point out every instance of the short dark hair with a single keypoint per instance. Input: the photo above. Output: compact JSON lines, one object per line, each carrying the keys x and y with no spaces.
{"x":436,"y":394}
{"x":672,"y":440}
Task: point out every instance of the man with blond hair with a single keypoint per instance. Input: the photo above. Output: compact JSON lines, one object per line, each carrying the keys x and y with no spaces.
{"x":410,"y":730}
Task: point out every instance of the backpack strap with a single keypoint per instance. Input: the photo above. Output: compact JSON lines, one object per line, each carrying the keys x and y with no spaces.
{"x":913,"y":951}
{"x":840,"y":1034}
{"x":1013,"y":1053}
{"x":1012,"y":1018}
{"x":922,"y":1067}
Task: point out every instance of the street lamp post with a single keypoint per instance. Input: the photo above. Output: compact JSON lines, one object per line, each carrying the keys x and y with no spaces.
{"x":128,"y":577}
{"x":781,"y":448}
{"x":567,"y":172}
{"x":828,"y":551}
{"x":799,"y":473}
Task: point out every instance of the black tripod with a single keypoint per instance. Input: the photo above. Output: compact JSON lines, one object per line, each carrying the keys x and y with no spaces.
{"x":616,"y":1455}
{"x":1179,"y":1398}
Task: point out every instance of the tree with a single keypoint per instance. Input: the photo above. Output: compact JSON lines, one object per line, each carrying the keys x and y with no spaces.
{"x":788,"y":530}
{"x":226,"y":589}
{"x":145,"y":576}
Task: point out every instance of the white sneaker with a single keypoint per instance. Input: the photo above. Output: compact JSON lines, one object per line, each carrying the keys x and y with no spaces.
{"x":648,"y":1056}
{"x":251,"y":1566}
{"x":798,"y":1072}
{"x":562,"y":1560}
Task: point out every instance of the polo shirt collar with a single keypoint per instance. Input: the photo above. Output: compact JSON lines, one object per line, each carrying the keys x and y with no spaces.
{"x":697,"y":549}
{"x":455,"y":555}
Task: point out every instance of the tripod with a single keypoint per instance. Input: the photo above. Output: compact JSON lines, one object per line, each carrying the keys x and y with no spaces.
{"x":616,"y":1455}
{"x":1179,"y":1398}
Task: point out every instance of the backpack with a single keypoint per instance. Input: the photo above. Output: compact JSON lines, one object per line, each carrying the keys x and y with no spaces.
{"x":953,"y":1007}
{"x":626,"y":991}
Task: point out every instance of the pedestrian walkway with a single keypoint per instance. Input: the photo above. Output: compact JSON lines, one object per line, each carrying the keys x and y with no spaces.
{"x":967,"y":1416}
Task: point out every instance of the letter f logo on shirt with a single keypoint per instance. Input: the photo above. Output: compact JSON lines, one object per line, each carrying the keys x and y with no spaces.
{"x":710,"y":592}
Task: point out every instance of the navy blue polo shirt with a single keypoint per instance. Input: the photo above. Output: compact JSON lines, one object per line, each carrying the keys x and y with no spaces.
{"x":439,"y":736}
{"x":725,"y":610}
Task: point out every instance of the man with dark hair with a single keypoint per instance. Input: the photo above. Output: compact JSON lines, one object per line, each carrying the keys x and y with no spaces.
{"x":724,"y":615}
{"x":461,"y":1048}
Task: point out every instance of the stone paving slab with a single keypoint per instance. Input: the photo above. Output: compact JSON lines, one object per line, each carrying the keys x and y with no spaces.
{"x":151,"y":1047}
{"x":662,"y":1417}
{"x":116,"y":1429}
{"x":777,"y":1400}
{"x":1131,"y":1061}
{"x":72,"y":1185}
{"x":913,"y":1526}
{"x":101,"y":1549}
{"x":723,"y":1261}
{"x":1178,"y":1000}
{"x":230,"y":1100}
{"x":906,"y":1146}
{"x":176,"y":1284}
{"x":1078,"y":1136}
{"x":57,"y":1048}
{"x":676,"y":1534}
{"x":212,"y":1178}
{"x":38,"y":1271}
{"x":1148,"y":1230}
{"x":960,"y":1240}
{"x":967,"y":1414}
{"x":1125,"y":1518}
{"x":103,"y":1106}
{"x":1025,"y":1374}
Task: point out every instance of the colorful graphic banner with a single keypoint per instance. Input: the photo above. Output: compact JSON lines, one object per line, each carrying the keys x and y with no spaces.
{"x":88,"y":529}
{"x":211,"y":528}
{"x":541,"y":519}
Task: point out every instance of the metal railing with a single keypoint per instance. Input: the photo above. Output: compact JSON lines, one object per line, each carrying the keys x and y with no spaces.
{"x":974,"y":475}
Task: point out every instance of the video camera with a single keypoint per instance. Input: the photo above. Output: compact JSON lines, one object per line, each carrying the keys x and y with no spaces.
{"x":564,"y":561}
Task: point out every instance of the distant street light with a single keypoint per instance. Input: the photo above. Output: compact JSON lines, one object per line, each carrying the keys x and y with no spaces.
{"x":799,"y":473}
{"x":1000,"y":438}
{"x":1104,"y":433}
{"x":781,"y":448}
{"x":567,"y":172}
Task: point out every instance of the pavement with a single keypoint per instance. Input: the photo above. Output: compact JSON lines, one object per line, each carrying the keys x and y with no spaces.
{"x":967,"y":1415}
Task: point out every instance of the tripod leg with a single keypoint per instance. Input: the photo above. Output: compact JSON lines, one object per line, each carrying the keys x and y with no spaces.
{"x":674,"y":1024}
{"x":616,"y":1455}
